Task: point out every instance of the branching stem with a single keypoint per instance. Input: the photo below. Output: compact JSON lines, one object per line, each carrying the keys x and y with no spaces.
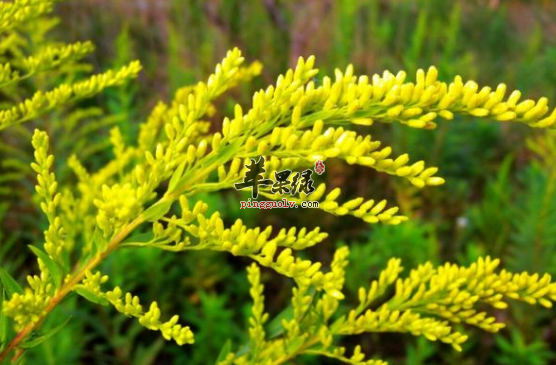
{"x":68,"y":287}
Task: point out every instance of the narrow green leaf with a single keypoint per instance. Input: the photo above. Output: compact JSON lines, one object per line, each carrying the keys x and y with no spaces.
{"x":99,"y":242}
{"x":176,"y":176}
{"x":3,"y":324}
{"x":90,"y":296}
{"x":141,"y":237}
{"x":37,"y":340}
{"x":146,"y":355}
{"x":20,"y":360}
{"x":275,"y":327}
{"x":226,"y":349}
{"x":212,"y":162}
{"x":10,"y":284}
{"x":157,"y":211}
{"x":53,"y":268}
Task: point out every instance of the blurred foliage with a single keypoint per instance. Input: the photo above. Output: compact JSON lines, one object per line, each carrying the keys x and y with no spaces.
{"x":490,"y":205}
{"x":516,"y":351}
{"x":414,"y":242}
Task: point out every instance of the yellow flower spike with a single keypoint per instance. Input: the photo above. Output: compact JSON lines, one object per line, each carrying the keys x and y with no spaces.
{"x":329,"y":205}
{"x":473,"y":102}
{"x":539,"y":110}
{"x":427,"y":97}
{"x":226,"y":127}
{"x":392,"y":112}
{"x":319,"y":192}
{"x":434,"y":181}
{"x":191,"y":154}
{"x":514,"y":98}
{"x":353,"y":204}
{"x":259,"y":317}
{"x":296,"y":115}
{"x":416,"y":123}
{"x":431,"y":77}
{"x":251,"y":143}
{"x":411,"y":112}
{"x":47,"y":189}
{"x":507,"y":116}
{"x":201,"y":149}
{"x":446,"y":100}
{"x":404,"y":171}
{"x":291,"y":141}
{"x":400,"y":77}
{"x":496,"y":97}
{"x":392,"y":96}
{"x":484,"y":94}
{"x":500,"y":108}
{"x":420,"y":77}
{"x":333,"y":195}
{"x":479,"y":112}
{"x":364,"y":122}
{"x":524,"y":106}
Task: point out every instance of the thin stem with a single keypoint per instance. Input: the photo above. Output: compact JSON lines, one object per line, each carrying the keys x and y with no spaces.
{"x":69,"y":286}
{"x":297,"y":352}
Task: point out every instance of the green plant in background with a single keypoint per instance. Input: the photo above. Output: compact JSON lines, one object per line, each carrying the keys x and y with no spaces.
{"x":42,"y":80}
{"x":516,"y":221}
{"x":48,"y":57}
{"x":517,"y":351}
{"x":413,"y":242}
{"x":142,"y":198}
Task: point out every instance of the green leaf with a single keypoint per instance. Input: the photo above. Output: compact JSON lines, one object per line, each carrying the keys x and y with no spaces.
{"x":211,"y":162}
{"x":10,"y":284}
{"x":37,"y":340}
{"x":244,"y":350}
{"x":53,"y":268}
{"x":3,"y":324}
{"x":157,"y":211}
{"x":176,"y":176}
{"x":146,"y":355}
{"x":226,"y":349}
{"x":20,"y":360}
{"x":141,"y":237}
{"x":275,"y":327}
{"x":99,"y":242}
{"x":90,"y":296}
{"x":295,"y":344}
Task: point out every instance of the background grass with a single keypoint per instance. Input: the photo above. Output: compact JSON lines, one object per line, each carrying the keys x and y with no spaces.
{"x":499,"y":198}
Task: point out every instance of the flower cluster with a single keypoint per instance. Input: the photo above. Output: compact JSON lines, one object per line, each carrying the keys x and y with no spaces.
{"x":42,"y":102}
{"x":49,"y":57}
{"x":292,"y":124}
{"x":15,"y":13}
{"x":26,"y":306}
{"x":129,"y":305}
{"x":427,"y":303}
{"x":47,"y":190}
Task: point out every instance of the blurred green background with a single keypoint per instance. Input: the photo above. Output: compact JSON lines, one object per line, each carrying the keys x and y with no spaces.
{"x":499,"y":199}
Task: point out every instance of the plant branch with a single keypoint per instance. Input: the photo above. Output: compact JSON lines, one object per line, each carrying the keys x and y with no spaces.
{"x":69,"y":286}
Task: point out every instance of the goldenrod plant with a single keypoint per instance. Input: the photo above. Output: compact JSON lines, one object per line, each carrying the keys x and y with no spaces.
{"x":49,"y":82}
{"x":16,"y":18}
{"x":142,"y":198}
{"x":42,"y":79}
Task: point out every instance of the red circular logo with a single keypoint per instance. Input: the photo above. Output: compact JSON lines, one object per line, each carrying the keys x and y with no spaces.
{"x":319,"y":167}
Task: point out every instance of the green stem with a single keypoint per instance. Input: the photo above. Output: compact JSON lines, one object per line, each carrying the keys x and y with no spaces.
{"x":297,"y":352}
{"x":68,"y":288}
